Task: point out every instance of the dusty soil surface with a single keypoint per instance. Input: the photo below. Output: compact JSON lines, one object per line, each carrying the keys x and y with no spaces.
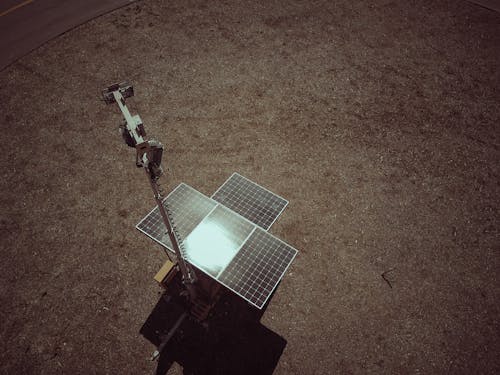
{"x":378,"y":120}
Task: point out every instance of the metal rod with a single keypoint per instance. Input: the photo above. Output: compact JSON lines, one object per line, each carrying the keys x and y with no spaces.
{"x":128,"y":117}
{"x":165,"y":341}
{"x":188,"y":277}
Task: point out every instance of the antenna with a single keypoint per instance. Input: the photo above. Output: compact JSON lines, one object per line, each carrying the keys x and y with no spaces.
{"x":148,"y":156}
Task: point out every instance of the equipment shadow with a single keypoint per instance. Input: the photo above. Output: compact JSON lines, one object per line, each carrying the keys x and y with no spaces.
{"x":231,"y":341}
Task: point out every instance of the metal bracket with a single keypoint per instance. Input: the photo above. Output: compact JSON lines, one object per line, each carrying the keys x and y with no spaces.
{"x":125,"y":88}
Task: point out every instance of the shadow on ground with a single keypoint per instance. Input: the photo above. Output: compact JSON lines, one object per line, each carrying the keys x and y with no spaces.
{"x":233,"y":341}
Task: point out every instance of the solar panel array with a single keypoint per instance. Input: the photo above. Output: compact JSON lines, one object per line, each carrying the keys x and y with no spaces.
{"x":225,"y":245}
{"x":250,"y":200}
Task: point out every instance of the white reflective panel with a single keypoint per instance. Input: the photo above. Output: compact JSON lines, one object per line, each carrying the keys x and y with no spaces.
{"x":210,"y":248}
{"x":216,"y":240}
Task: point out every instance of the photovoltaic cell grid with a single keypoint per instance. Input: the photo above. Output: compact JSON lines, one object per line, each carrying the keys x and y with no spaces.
{"x":250,"y":200}
{"x":260,"y":264}
{"x":229,"y":248}
{"x":188,"y":206}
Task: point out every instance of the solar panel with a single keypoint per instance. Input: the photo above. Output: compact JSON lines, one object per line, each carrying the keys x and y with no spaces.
{"x":250,"y":200}
{"x":223,"y":244}
{"x":188,"y":207}
{"x":258,"y":267}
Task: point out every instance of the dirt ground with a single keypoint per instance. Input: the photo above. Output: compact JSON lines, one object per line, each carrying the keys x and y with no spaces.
{"x":378,"y":120}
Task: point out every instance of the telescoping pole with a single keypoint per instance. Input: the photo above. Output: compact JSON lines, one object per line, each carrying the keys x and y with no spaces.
{"x":187,"y":274}
{"x":149,"y":157}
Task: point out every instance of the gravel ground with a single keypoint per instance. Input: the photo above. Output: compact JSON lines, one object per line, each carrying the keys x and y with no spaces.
{"x":378,"y":121}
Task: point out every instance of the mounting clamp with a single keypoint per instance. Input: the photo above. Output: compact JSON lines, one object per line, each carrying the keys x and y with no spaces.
{"x":124,"y":88}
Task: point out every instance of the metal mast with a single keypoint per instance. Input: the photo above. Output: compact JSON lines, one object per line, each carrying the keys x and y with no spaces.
{"x":148,"y":156}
